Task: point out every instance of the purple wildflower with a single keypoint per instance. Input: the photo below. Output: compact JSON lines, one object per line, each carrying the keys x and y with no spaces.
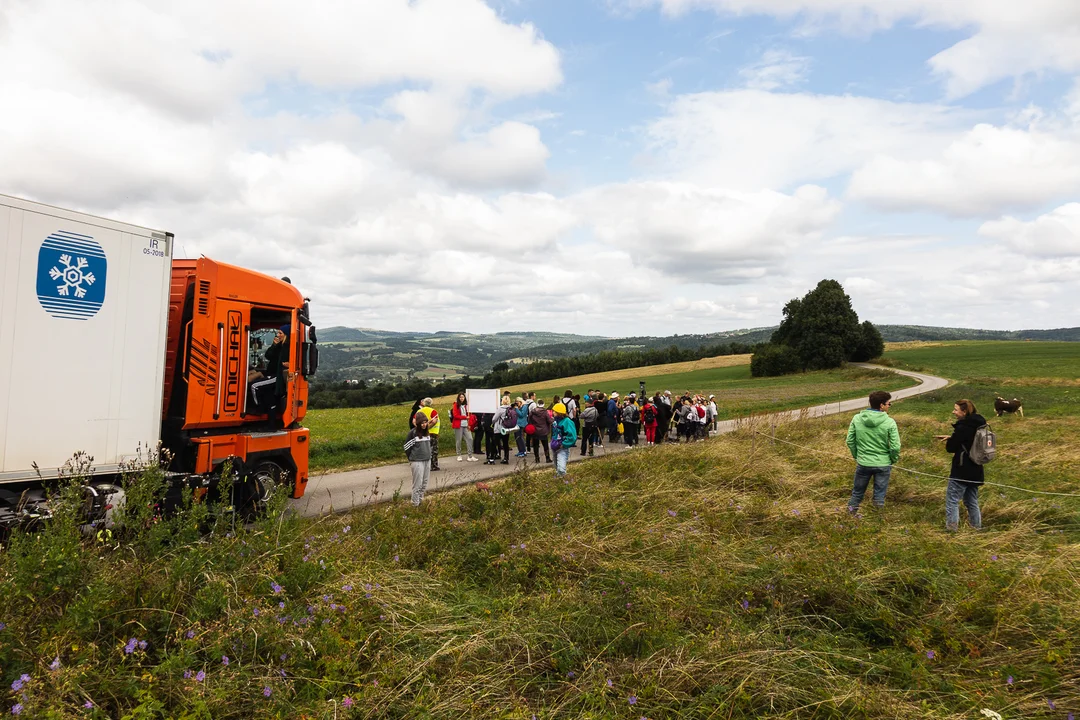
{"x":55,"y":664}
{"x":745,"y":604}
{"x":346,"y":529}
{"x":267,"y":691}
{"x":632,"y":699}
{"x":609,"y":683}
{"x":571,"y":674}
{"x":190,"y":634}
{"x":89,"y":705}
{"x":17,"y":709}
{"x":3,"y":626}
{"x":347,"y":588}
{"x":281,"y":605}
{"x":142,"y":644}
{"x":1009,"y":680}
{"x":993,"y":558}
{"x":131,"y":645}
{"x":187,"y":674}
{"x":200,"y":676}
{"x":255,"y":612}
{"x":225,"y":660}
{"x":347,"y":702}
{"x":395,"y":558}
{"x":1051,"y":704}
{"x":17,"y":684}
{"x":276,"y":588}
{"x":672,"y":513}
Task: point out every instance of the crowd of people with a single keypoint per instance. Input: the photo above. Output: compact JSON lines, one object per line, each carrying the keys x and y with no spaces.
{"x":554,"y":428}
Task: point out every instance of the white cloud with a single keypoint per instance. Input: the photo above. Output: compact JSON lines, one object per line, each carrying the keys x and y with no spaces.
{"x":775,"y":69}
{"x":705,"y":234}
{"x":751,"y":139}
{"x":1009,"y":39}
{"x":986,"y":170}
{"x":1056,"y":234}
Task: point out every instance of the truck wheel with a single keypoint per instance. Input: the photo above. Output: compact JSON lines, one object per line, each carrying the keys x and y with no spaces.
{"x":255,"y":489}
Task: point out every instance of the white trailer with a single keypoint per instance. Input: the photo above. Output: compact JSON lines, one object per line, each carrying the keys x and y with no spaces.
{"x":83,"y":308}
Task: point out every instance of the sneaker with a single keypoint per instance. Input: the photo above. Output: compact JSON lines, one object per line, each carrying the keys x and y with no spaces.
{"x":504,"y":462}
{"x":459,"y":458}
{"x":521,"y":454}
{"x":471,"y":459}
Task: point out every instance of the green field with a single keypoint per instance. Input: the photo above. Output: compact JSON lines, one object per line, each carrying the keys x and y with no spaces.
{"x":1004,"y":363}
{"x":362,"y":437}
{"x":715,"y":580}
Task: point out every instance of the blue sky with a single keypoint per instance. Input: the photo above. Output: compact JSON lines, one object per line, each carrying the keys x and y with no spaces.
{"x":521,"y":160}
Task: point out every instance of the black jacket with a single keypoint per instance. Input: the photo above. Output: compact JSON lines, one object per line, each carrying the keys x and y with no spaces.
{"x":959,"y":444}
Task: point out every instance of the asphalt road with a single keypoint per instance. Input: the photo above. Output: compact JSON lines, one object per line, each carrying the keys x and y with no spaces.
{"x":341,"y":491}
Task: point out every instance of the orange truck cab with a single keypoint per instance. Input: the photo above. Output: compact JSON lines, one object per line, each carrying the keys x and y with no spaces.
{"x":239,"y":351}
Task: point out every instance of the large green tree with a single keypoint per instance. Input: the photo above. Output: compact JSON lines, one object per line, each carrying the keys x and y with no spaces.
{"x":822,"y":331}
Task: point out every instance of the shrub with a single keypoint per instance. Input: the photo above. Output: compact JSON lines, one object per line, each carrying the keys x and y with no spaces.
{"x":771,"y":360}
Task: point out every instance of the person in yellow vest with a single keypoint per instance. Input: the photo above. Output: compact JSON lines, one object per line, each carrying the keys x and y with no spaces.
{"x":433,"y":429}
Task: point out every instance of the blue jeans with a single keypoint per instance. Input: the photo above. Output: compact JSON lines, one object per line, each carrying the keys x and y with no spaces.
{"x":969,"y":492}
{"x":562,"y":458}
{"x":862,"y":480}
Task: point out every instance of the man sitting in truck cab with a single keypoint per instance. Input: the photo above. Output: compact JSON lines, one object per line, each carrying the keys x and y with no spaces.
{"x":269,"y":391}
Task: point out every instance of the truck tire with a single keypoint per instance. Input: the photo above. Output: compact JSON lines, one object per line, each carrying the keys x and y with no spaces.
{"x":254,"y":490}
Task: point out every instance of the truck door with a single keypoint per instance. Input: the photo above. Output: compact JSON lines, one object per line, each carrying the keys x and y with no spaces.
{"x":217,"y":366}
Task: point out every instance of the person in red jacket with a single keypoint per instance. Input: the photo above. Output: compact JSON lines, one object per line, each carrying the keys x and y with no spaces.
{"x":462,"y":423}
{"x":649,"y":420}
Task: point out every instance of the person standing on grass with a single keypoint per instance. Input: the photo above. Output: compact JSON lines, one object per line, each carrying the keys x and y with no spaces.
{"x":663,"y":416}
{"x":541,"y":422}
{"x":432,"y":416}
{"x":563,"y":439}
{"x":874,"y":442}
{"x":966,"y":476}
{"x":418,"y":452}
{"x":461,"y":421}
{"x":712,"y":412}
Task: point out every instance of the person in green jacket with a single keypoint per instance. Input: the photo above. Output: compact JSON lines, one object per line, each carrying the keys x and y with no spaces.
{"x":874,"y":442}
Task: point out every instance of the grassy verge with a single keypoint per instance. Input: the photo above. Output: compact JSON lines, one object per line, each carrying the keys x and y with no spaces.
{"x":364,"y":437}
{"x":721,"y":579}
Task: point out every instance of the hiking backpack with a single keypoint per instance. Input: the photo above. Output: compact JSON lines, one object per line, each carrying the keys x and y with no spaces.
{"x":983,"y":447}
{"x":509,"y":419}
{"x":590,"y":415}
{"x":649,"y":414}
{"x":630,"y":414}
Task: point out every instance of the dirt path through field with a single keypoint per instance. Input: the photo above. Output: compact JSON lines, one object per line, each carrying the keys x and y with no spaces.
{"x":341,"y":491}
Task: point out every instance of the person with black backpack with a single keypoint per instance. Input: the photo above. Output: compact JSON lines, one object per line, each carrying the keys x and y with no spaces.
{"x":968,"y":444}
{"x":650,"y":419}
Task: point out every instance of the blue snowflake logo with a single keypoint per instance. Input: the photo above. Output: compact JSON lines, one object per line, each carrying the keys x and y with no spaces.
{"x":71,"y":276}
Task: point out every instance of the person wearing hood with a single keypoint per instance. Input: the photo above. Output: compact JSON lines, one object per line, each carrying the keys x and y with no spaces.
{"x":966,"y":475}
{"x":874,"y":442}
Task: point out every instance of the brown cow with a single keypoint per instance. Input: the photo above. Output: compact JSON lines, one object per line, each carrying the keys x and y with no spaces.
{"x":1002,"y":406}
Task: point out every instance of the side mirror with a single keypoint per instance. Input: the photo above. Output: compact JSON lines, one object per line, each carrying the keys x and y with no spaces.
{"x":309,"y":354}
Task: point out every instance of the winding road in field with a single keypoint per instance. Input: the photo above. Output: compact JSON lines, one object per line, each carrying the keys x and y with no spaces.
{"x":341,"y":491}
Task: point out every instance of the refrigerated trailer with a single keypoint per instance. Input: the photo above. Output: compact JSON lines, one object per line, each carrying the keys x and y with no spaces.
{"x":113,"y":350}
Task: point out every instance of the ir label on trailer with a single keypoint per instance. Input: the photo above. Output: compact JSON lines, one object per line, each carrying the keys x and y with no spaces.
{"x":156,"y":246}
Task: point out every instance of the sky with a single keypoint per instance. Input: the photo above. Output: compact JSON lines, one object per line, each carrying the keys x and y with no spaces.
{"x":604,"y":167}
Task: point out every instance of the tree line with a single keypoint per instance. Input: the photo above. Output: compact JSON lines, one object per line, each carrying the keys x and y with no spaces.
{"x":342,"y":395}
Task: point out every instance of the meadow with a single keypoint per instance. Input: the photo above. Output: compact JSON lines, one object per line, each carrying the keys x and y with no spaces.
{"x":722,"y":579}
{"x":364,"y":437}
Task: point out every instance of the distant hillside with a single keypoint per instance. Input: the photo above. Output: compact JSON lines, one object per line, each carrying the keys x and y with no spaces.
{"x":364,"y":354}
{"x":904,"y":333}
{"x":373,"y":355}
